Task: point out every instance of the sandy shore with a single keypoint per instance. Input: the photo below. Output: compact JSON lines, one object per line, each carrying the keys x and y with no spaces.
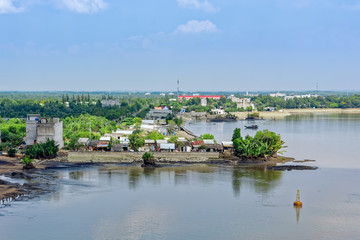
{"x":287,"y":112}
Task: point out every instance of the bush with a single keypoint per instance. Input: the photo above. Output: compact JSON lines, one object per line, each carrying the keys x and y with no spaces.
{"x":148,"y":159}
{"x":28,"y":163}
{"x":263,"y":144}
{"x":12,"y":152}
{"x":47,"y":150}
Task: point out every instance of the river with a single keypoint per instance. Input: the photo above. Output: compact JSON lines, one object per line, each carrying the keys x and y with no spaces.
{"x":209,"y":202}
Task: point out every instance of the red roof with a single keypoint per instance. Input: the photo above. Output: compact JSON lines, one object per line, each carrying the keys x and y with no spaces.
{"x":198,"y":143}
{"x":205,"y":96}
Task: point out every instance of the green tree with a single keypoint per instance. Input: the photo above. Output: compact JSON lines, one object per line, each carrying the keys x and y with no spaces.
{"x":236,"y":134}
{"x":207,"y":136}
{"x":136,"y":141}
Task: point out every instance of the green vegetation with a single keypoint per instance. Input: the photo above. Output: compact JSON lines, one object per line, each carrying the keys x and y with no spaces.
{"x":13,"y":132}
{"x":207,"y":136}
{"x":154,"y":135}
{"x":263,"y":144}
{"x":148,"y":159}
{"x":313,"y":102}
{"x":74,"y":106}
{"x":85,"y":126}
{"x":12,"y":152}
{"x":27,"y":162}
{"x":136,"y":141}
{"x":46,"y":150}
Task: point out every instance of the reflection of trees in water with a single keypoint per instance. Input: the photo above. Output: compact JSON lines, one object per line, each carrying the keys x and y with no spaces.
{"x":179,"y":174}
{"x":76,"y":175}
{"x":261,"y":179}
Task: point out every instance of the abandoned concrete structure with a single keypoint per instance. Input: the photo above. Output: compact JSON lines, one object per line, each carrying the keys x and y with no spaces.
{"x":38,"y":130}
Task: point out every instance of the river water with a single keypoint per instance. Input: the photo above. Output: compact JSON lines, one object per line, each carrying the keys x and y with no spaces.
{"x":209,"y":202}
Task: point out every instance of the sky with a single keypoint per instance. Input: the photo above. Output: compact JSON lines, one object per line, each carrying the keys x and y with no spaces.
{"x":209,"y":45}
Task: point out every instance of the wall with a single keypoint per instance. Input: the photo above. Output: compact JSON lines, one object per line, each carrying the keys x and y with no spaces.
{"x":30,"y":132}
{"x":52,"y":131}
{"x":128,"y":157}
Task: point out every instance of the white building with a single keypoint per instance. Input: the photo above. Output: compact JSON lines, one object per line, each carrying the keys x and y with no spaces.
{"x":277,"y":94}
{"x":203,"y":102}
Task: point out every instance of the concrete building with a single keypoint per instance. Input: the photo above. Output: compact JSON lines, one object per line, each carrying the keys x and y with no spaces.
{"x":242,"y":102}
{"x":38,"y":130}
{"x":203,"y":102}
{"x":158,"y":113}
{"x":110,"y":102}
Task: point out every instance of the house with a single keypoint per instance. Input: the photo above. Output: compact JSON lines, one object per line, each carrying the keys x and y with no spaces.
{"x":183,"y":145}
{"x":93,"y":145}
{"x":84,"y":142}
{"x":269,"y":109}
{"x":38,"y":130}
{"x":167,"y":147}
{"x":158,"y":113}
{"x":214,"y":147}
{"x":218,"y":111}
{"x":187,"y":97}
{"x":197,"y":145}
{"x":120,"y":147}
{"x":242,"y":102}
{"x":103,"y":143}
{"x":159,"y":142}
{"x":228,"y":146}
{"x":211,"y":146}
{"x":150,"y":145}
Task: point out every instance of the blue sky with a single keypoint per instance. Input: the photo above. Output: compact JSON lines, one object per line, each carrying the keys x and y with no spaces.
{"x":228,"y":45}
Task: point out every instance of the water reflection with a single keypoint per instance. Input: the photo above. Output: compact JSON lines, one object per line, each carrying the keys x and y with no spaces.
{"x":261,"y":179}
{"x":297,"y":209}
{"x":256,"y":177}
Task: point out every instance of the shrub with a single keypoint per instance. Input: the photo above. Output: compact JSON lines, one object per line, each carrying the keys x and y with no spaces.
{"x":12,"y":152}
{"x":47,"y":150}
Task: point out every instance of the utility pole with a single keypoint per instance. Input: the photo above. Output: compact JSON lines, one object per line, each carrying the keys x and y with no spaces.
{"x":178,"y":89}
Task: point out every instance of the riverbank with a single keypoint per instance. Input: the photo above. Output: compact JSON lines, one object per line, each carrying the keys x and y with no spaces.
{"x":288,"y":112}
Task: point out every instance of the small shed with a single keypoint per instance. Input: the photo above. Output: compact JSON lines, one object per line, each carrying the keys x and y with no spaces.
{"x":228,"y":146}
{"x":214,"y":147}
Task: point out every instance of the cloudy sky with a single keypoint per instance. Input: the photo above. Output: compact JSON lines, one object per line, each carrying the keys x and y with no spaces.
{"x":231,"y":45}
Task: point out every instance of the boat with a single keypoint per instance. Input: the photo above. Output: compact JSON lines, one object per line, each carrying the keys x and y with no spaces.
{"x":252,"y":127}
{"x":227,"y":118}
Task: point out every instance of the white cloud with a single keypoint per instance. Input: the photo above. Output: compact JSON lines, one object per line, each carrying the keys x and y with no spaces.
{"x":7,"y":6}
{"x":196,"y":4}
{"x":84,"y":6}
{"x":194,"y":26}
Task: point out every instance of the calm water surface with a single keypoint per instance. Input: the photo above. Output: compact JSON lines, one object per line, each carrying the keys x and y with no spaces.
{"x":208,"y":202}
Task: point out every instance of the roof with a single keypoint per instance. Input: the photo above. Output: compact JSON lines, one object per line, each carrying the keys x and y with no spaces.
{"x":93,"y":143}
{"x":105,"y":138}
{"x":125,"y":132}
{"x":149,"y":141}
{"x":83,"y":140}
{"x":214,"y":146}
{"x":170,"y":146}
{"x":161,"y":141}
{"x":148,"y":121}
{"x":209,"y":141}
{"x":197,"y":143}
{"x":204,"y":96}
{"x":227,"y":143}
{"x":100,"y":144}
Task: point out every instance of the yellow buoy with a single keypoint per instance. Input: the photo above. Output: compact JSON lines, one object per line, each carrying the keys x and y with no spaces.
{"x":298,"y":202}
